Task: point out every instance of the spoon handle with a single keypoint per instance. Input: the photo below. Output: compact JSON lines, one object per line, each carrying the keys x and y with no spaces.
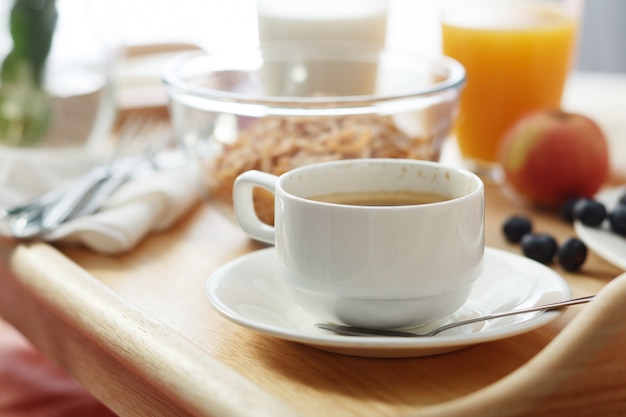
{"x":359,"y":331}
{"x":544,"y":307}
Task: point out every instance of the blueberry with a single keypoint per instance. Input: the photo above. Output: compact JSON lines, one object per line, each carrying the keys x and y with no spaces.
{"x":515,"y":227}
{"x":590,"y":212}
{"x":617,"y":220}
{"x":567,"y":210}
{"x":539,"y":246}
{"x":572,"y":254}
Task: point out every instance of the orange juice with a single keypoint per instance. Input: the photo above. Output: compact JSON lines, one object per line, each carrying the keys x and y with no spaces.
{"x":516,"y":59}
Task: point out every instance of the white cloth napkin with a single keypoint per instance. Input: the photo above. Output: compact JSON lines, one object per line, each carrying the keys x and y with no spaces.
{"x":151,"y":203}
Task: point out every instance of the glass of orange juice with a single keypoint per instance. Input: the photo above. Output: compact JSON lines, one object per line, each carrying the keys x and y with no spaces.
{"x":517,"y":55}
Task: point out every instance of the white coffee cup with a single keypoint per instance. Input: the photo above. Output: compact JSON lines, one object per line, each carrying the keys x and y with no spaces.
{"x":372,"y":266}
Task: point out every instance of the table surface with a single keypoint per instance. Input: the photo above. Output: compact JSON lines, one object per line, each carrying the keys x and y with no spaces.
{"x":138,"y":332}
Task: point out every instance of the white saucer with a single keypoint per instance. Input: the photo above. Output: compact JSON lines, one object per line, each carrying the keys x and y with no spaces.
{"x":247,"y":292}
{"x":608,"y":245}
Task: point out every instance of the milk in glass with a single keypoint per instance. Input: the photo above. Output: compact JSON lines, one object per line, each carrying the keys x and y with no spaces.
{"x":303,"y":24}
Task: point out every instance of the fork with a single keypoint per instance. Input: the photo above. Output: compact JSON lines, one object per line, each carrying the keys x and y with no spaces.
{"x":361,"y":331}
{"x":121,"y":167}
{"x":135,"y":149}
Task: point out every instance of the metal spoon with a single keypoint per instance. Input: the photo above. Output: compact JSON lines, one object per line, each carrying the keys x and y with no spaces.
{"x":361,"y":331}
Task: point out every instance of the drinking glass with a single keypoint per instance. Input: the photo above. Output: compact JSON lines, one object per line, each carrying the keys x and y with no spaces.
{"x":57,"y":64}
{"x":517,"y":55}
{"x":357,"y":24}
{"x":362,"y":22}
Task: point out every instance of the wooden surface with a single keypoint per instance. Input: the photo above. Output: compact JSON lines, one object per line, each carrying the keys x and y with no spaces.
{"x":138,"y":332}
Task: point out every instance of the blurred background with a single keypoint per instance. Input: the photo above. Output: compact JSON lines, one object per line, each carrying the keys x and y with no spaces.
{"x":216,"y":25}
{"x":148,"y":33}
{"x":602,"y":38}
{"x":147,"y":25}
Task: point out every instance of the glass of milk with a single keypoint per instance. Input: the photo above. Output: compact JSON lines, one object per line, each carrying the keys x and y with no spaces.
{"x":361,"y":24}
{"x":359,"y":21}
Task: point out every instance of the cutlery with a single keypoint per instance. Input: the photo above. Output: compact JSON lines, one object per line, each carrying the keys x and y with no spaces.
{"x":53,"y":208}
{"x":133,"y":152}
{"x":362,"y":331}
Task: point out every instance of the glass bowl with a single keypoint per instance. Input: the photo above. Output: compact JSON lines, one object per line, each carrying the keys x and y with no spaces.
{"x":279,"y":108}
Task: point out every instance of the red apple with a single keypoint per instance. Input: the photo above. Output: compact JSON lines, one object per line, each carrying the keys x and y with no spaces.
{"x":550,"y":156}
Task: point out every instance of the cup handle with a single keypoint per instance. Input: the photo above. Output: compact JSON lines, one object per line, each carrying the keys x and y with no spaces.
{"x":244,"y":204}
